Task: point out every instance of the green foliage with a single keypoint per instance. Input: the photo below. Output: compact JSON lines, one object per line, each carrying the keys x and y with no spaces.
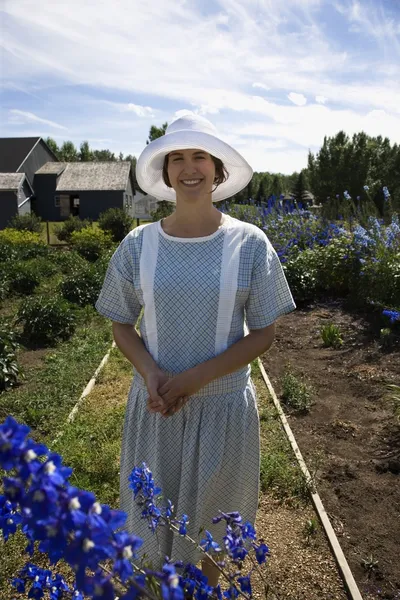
{"x":310,"y":529}
{"x":23,"y":279}
{"x":28,"y":222}
{"x":20,"y":245}
{"x":380,"y":280}
{"x":116,"y":222}
{"x":23,"y":276}
{"x":296,"y":393}
{"x":164,"y":209}
{"x":46,"y":320}
{"x":349,"y":164}
{"x":83,"y":286}
{"x":301,"y":275}
{"x":91,"y":243}
{"x":68,"y":261}
{"x":9,"y":368}
{"x":331,"y":336}
{"x":64,"y":231}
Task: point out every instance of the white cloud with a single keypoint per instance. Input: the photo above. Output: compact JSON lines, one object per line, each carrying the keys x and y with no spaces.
{"x":140,"y":111}
{"x":261,"y":85}
{"x":297,"y":99}
{"x":144,"y":62}
{"x":20,"y":117}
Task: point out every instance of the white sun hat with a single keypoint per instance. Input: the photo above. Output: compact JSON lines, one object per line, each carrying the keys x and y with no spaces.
{"x":190,"y":131}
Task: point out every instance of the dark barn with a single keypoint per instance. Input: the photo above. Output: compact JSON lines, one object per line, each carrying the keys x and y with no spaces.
{"x":85,"y":189}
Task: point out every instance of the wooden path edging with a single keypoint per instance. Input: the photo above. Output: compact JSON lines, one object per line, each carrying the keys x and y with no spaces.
{"x":344,"y":569}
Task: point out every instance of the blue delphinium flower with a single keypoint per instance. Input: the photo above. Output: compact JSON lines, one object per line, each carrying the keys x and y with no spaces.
{"x":10,"y":518}
{"x":209,"y":544}
{"x":262,"y":551}
{"x":393,"y":315}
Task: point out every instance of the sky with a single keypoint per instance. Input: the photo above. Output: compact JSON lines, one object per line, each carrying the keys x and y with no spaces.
{"x":273,"y":76}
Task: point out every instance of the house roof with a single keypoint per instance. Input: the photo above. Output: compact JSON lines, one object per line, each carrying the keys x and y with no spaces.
{"x":51,"y":168}
{"x":13,"y":152}
{"x":89,"y":176}
{"x":11,"y":181}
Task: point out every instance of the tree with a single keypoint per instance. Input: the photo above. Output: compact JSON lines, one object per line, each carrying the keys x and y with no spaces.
{"x":85,"y":154}
{"x":104,"y":155}
{"x":68,"y":152}
{"x":52,"y":144}
{"x":156,"y":132}
{"x":299,"y":190}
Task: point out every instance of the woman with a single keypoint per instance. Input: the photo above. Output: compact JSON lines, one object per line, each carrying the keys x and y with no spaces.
{"x":192,"y":414}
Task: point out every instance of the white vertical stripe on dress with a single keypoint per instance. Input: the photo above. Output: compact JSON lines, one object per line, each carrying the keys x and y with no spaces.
{"x":148,"y":263}
{"x":228,"y":286}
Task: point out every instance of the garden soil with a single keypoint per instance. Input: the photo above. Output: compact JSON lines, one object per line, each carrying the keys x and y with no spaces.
{"x":350,"y":434}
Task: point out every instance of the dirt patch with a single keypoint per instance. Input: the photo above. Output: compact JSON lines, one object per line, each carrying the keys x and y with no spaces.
{"x":351,"y":426}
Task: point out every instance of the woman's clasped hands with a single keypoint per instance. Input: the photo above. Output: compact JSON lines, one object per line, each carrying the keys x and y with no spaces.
{"x":168,"y":395}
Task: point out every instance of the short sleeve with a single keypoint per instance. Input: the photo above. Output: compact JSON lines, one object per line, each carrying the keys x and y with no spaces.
{"x":118,"y":300}
{"x":269,"y":295}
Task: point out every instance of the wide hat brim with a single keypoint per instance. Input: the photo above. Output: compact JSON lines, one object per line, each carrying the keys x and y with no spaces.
{"x":150,"y":164}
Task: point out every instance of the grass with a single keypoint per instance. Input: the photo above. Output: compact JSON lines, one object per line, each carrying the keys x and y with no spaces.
{"x":280,"y":474}
{"x":53,"y":386}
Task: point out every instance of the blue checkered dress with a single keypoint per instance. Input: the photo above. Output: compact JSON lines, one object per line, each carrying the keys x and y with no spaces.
{"x":200,"y":296}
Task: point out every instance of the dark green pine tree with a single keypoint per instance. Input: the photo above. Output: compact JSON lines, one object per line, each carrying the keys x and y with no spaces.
{"x":299,"y":191}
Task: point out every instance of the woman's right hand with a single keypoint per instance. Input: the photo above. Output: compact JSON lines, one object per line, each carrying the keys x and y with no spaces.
{"x":155,"y":403}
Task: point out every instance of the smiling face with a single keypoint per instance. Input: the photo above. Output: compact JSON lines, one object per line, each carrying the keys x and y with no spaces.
{"x":191,"y":172}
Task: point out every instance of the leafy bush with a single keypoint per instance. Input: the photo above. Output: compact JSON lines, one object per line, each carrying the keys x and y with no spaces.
{"x":91,"y":243}
{"x":82,"y":287}
{"x":9,"y":368}
{"x":45,"y":320}
{"x":164,"y":209}
{"x":296,"y":393}
{"x":301,"y":275}
{"x":63,"y":232}
{"x":116,"y":222}
{"x":68,"y":261}
{"x":29,"y":222}
{"x":23,"y":279}
{"x":380,"y":280}
{"x":15,"y":244}
{"x":336,"y":266}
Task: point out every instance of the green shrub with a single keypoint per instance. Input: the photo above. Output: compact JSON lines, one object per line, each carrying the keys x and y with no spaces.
{"x":68,"y":261}
{"x":164,"y":209}
{"x":91,"y":243}
{"x":301,"y":275}
{"x":29,"y":222}
{"x":336,"y":267}
{"x":331,"y":336}
{"x":15,"y":244}
{"x":103,"y":261}
{"x":380,"y":280}
{"x":9,"y":368}
{"x":46,"y":320}
{"x":82,"y":287}
{"x":296,"y":393}
{"x":64,"y":231}
{"x":116,"y":222}
{"x":23,"y":279}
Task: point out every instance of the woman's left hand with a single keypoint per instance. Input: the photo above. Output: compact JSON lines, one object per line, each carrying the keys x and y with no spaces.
{"x":182,"y":385}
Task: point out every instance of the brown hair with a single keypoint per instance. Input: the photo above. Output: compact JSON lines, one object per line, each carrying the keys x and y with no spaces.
{"x":221,"y":174}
